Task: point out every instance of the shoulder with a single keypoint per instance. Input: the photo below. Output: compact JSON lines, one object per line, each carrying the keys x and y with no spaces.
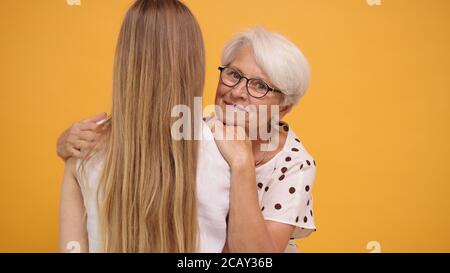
{"x":288,"y":197}
{"x":90,"y":168}
{"x":294,"y":153}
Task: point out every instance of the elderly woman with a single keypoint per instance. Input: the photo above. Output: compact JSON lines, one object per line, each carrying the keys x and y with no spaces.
{"x":270,"y":199}
{"x":270,"y":192}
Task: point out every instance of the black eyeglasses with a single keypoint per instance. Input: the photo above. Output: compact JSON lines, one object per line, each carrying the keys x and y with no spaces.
{"x":256,"y":88}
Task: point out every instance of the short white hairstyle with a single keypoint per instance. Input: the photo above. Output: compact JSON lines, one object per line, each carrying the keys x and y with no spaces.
{"x":278,"y":57}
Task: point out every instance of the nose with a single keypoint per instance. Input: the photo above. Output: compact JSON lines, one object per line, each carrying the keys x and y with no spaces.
{"x":240,"y":90}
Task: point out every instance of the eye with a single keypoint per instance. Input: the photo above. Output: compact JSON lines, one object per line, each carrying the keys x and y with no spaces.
{"x":261,"y":86}
{"x":232,"y":73}
{"x":235,"y":75}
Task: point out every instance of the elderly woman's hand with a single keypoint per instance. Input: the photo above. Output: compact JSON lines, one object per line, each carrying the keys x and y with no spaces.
{"x":233,"y":144}
{"x":77,"y":140}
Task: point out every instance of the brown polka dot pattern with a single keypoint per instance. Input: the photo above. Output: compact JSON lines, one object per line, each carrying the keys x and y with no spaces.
{"x":281,"y":200}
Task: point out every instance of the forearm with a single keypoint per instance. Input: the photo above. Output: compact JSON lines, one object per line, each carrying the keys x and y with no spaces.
{"x":247,"y":231}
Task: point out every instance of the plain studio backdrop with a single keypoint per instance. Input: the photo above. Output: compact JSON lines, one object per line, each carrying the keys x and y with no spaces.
{"x":376,"y":116}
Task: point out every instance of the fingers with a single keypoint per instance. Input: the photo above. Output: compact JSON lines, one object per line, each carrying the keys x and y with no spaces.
{"x":83,"y":154}
{"x":83,"y":145}
{"x":89,"y":126}
{"x":75,"y":153}
{"x":88,"y":136}
{"x":92,"y":123}
{"x":82,"y":149}
{"x":79,"y":145}
{"x":86,"y":126}
{"x":96,"y":118}
{"x":226,"y":132}
{"x":80,"y":138}
{"x":217,"y":128}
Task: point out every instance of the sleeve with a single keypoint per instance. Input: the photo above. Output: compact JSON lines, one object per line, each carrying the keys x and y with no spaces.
{"x":289,"y":197}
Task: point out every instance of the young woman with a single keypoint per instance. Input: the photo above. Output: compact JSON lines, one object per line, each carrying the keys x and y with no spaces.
{"x":137,"y":190}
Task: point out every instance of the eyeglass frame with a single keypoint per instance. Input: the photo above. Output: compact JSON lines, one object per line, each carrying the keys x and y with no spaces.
{"x":269,"y":88}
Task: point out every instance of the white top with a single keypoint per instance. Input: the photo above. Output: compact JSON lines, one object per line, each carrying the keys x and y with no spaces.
{"x":284,"y":189}
{"x":212,"y":195}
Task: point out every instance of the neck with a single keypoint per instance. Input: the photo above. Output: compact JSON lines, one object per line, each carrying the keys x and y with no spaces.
{"x":262,"y":156}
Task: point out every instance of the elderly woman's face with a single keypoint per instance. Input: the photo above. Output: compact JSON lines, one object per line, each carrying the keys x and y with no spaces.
{"x":237,"y":98}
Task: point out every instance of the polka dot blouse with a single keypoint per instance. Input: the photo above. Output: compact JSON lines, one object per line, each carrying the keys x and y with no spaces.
{"x":285,"y":186}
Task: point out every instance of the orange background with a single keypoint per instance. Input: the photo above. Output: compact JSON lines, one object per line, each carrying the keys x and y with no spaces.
{"x":375,"y":118}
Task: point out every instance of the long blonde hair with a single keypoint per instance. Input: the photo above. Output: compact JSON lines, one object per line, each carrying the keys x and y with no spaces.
{"x":147,"y":191}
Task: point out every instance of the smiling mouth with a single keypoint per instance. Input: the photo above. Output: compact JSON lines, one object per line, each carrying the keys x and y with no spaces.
{"x":234,"y":107}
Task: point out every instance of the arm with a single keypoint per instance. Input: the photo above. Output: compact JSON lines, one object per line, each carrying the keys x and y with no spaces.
{"x":247,"y":229}
{"x":72,"y":219}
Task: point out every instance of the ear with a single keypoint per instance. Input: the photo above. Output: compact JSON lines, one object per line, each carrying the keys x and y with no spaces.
{"x":284,"y":109}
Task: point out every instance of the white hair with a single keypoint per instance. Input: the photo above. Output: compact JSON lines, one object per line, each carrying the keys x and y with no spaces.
{"x":278,"y":57}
